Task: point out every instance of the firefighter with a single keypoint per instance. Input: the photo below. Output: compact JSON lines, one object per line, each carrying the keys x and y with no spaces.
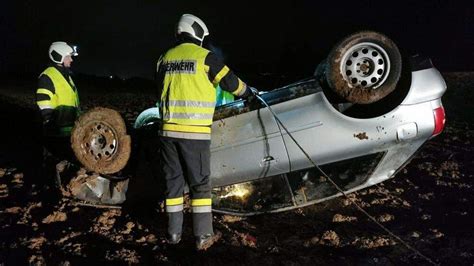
{"x":188,"y":76}
{"x":58,"y":100}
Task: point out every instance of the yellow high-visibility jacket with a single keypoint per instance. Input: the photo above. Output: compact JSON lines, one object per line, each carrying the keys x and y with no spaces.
{"x":60,"y":99}
{"x":188,"y":76}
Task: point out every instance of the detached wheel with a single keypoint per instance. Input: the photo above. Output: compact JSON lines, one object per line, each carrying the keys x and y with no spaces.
{"x":364,"y":67}
{"x":100,"y":142}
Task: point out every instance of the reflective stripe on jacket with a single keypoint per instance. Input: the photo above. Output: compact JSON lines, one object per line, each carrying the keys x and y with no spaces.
{"x":64,"y":100}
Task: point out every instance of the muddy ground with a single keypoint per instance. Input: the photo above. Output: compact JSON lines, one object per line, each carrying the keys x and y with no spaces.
{"x":429,"y":205}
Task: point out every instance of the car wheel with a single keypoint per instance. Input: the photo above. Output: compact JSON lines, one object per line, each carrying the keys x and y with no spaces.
{"x":364,"y":67}
{"x":100,"y":142}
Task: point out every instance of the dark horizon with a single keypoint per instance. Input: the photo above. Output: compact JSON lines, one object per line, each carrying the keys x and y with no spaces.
{"x":124,"y":39}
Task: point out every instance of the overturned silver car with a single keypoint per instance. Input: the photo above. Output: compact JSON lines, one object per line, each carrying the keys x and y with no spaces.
{"x":360,"y":118}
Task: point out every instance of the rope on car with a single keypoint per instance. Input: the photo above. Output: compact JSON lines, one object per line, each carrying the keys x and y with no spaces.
{"x":342,"y":191}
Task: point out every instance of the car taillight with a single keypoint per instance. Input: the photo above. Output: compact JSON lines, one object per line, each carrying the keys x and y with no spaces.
{"x":439,"y":119}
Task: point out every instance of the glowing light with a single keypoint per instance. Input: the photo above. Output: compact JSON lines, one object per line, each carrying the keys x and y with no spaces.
{"x":239,"y":191}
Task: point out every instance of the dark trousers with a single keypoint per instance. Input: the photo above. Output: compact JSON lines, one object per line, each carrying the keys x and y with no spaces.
{"x":186,"y":160}
{"x":59,"y":147}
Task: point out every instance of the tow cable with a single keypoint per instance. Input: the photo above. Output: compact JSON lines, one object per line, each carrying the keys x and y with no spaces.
{"x":338,"y":188}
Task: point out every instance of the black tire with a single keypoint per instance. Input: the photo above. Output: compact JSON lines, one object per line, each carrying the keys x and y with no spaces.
{"x":100,"y":142}
{"x":364,"y":67}
{"x":320,"y":70}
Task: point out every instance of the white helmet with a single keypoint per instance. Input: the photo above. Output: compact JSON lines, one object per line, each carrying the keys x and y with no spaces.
{"x":192,"y":25}
{"x":59,"y":50}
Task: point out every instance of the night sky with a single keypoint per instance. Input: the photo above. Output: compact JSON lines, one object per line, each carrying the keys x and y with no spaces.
{"x":125,"y":38}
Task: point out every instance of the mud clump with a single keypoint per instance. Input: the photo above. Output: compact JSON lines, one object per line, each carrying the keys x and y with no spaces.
{"x":361,"y":136}
{"x":55,"y":217}
{"x":372,"y":243}
{"x":339,"y":218}
{"x":330,"y":238}
{"x":13,"y":210}
{"x":37,"y":242}
{"x":385,"y":218}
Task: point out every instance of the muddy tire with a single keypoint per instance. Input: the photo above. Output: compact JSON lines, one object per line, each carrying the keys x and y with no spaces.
{"x":364,"y":67}
{"x":100,"y":142}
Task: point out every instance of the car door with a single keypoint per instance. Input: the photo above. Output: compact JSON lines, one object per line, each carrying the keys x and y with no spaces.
{"x":246,"y":144}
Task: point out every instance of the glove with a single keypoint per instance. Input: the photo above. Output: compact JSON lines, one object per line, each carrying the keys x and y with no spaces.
{"x":250,"y":94}
{"x":48,"y":117}
{"x":49,"y":127}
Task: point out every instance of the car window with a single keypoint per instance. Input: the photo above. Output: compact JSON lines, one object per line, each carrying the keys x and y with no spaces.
{"x":310,"y":184}
{"x":294,"y":189}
